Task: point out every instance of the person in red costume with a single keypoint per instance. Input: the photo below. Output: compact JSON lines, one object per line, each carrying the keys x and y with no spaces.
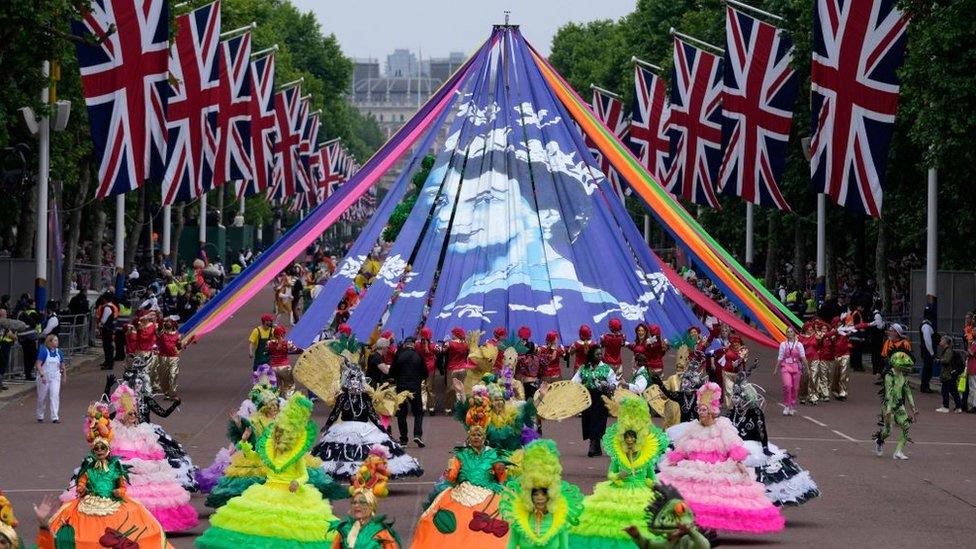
{"x":169,"y":344}
{"x":279,"y":348}
{"x":731,"y":359}
{"x":428,"y":351}
{"x":612,"y":344}
{"x":581,"y":347}
{"x":809,"y":341}
{"x":527,"y":368}
{"x":344,"y":329}
{"x":550,"y":356}
{"x":822,"y":365}
{"x":840,"y":373}
{"x":499,"y":334}
{"x":457,"y":363}
{"x":392,"y":349}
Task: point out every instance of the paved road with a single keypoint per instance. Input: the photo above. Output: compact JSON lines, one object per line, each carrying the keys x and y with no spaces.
{"x":927,"y":501}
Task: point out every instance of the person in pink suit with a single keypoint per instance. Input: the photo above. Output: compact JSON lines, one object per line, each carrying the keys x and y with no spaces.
{"x":706,"y":466}
{"x":790,"y":362}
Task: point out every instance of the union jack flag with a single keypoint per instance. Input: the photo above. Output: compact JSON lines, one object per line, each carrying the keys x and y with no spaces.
{"x":194,"y":66}
{"x":308,"y":144}
{"x":648,"y":138}
{"x":757,"y":105}
{"x":610,"y":111}
{"x":124,"y":82}
{"x":333,"y":159}
{"x":289,"y":174}
{"x":263,"y":126}
{"x":857,"y":50}
{"x":695,"y":124}
{"x":233,"y":162}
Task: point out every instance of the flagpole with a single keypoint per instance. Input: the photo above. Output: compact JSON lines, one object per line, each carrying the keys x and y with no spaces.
{"x":932,"y":236}
{"x":167,"y":230}
{"x":754,"y":9}
{"x":821,"y":239}
{"x":43,"y":173}
{"x":684,"y":36}
{"x":239,"y":220}
{"x":635,"y":60}
{"x":647,"y":229}
{"x":119,"y":237}
{"x":749,"y":235}
{"x":203,"y":222}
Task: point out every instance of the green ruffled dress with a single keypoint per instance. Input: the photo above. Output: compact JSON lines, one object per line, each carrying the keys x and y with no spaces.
{"x":617,"y":503}
{"x":552,"y":531}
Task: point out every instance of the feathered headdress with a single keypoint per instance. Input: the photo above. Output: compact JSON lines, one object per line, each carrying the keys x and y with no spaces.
{"x":123,"y":399}
{"x":634,"y":416}
{"x":710,"y":394}
{"x":264,"y":374}
{"x":262,"y":395}
{"x":479,"y":407}
{"x":8,"y":521}
{"x":541,"y":469}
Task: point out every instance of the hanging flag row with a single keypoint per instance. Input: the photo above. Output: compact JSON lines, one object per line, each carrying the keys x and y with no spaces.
{"x":724,"y":126}
{"x":330,"y":167}
{"x":194,"y":114}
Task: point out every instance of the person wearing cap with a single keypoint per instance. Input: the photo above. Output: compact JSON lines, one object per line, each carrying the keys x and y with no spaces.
{"x":550,"y":357}
{"x":499,"y":334}
{"x":896,"y":342}
{"x":408,"y":372}
{"x":258,"y":342}
{"x":428,"y":351}
{"x":581,"y":347}
{"x":278,"y":349}
{"x":169,"y":344}
{"x":612,"y":342}
{"x":457,"y":364}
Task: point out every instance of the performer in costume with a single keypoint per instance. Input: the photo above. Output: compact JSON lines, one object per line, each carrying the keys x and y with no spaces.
{"x":464,"y":512}
{"x":598,"y":378}
{"x":428,"y":351}
{"x":258,"y":341}
{"x":896,"y":397}
{"x":706,"y":468}
{"x":581,"y":347}
{"x":786,"y":482}
{"x":169,"y":345}
{"x":103,"y":512}
{"x":138,"y":380}
{"x":840,"y":377}
{"x":363,"y":528}
{"x":285,"y":511}
{"x":528,"y":369}
{"x":539,"y":506}
{"x":509,"y":424}
{"x":279,"y":348}
{"x":681,"y":389}
{"x":612,"y":344}
{"x":672,"y":522}
{"x":550,"y":358}
{"x":457,"y":362}
{"x":634,"y":446}
{"x":153,"y":482}
{"x":353,"y":427}
{"x":790,"y":362}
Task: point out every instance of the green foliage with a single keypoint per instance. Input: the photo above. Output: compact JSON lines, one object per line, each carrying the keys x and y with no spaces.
{"x":933,"y":127}
{"x":403,"y":209}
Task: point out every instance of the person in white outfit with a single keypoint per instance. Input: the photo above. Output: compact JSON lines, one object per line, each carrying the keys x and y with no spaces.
{"x":50,"y":373}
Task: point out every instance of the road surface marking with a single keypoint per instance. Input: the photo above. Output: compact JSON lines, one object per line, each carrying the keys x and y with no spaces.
{"x":838,"y":433}
{"x":810,"y":419}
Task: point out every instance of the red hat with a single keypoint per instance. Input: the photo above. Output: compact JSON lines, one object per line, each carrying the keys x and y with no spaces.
{"x":524,"y":332}
{"x":426,"y":333}
{"x":458,"y":332}
{"x":279,"y":331}
{"x":267,"y":318}
{"x":585,"y":332}
{"x":350,"y":292}
{"x":551,"y":337}
{"x":736,"y":340}
{"x":654,"y":330}
{"x":388,"y":334}
{"x":615,"y":324}
{"x":500,"y":332}
{"x":345,"y":329}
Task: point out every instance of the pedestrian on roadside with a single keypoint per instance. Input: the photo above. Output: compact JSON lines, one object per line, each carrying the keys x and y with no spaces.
{"x":408,"y":372}
{"x":952,"y":367}
{"x":929,"y":341}
{"x":28,"y":336}
{"x":50,"y":372}
{"x":970,"y":396}
{"x":377,"y":367}
{"x":105,"y":318}
{"x":52,"y":324}
{"x":7,"y":339}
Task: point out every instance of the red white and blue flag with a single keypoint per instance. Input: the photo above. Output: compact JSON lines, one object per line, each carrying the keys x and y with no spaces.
{"x":757,"y":105}
{"x":289,"y":174}
{"x":695,"y":124}
{"x":648,"y":138}
{"x":123,"y":77}
{"x":333,"y":159}
{"x":194,"y":68}
{"x":610,"y":111}
{"x":263,"y":126}
{"x":309,"y":144}
{"x":233,"y":162}
{"x":857,"y":50}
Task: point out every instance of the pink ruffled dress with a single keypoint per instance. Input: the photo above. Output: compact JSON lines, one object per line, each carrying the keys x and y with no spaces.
{"x":706,"y":467}
{"x":152,"y":481}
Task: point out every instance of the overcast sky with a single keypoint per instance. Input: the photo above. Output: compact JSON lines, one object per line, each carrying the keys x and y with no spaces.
{"x":374,"y":28}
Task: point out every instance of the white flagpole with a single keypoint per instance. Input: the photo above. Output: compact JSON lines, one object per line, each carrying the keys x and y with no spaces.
{"x":239,"y":220}
{"x":932,"y":234}
{"x":203,"y":221}
{"x":821,"y":236}
{"x":647,"y":229}
{"x":119,"y":231}
{"x":43,"y":172}
{"x":749,"y":235}
{"x":167,"y":230}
